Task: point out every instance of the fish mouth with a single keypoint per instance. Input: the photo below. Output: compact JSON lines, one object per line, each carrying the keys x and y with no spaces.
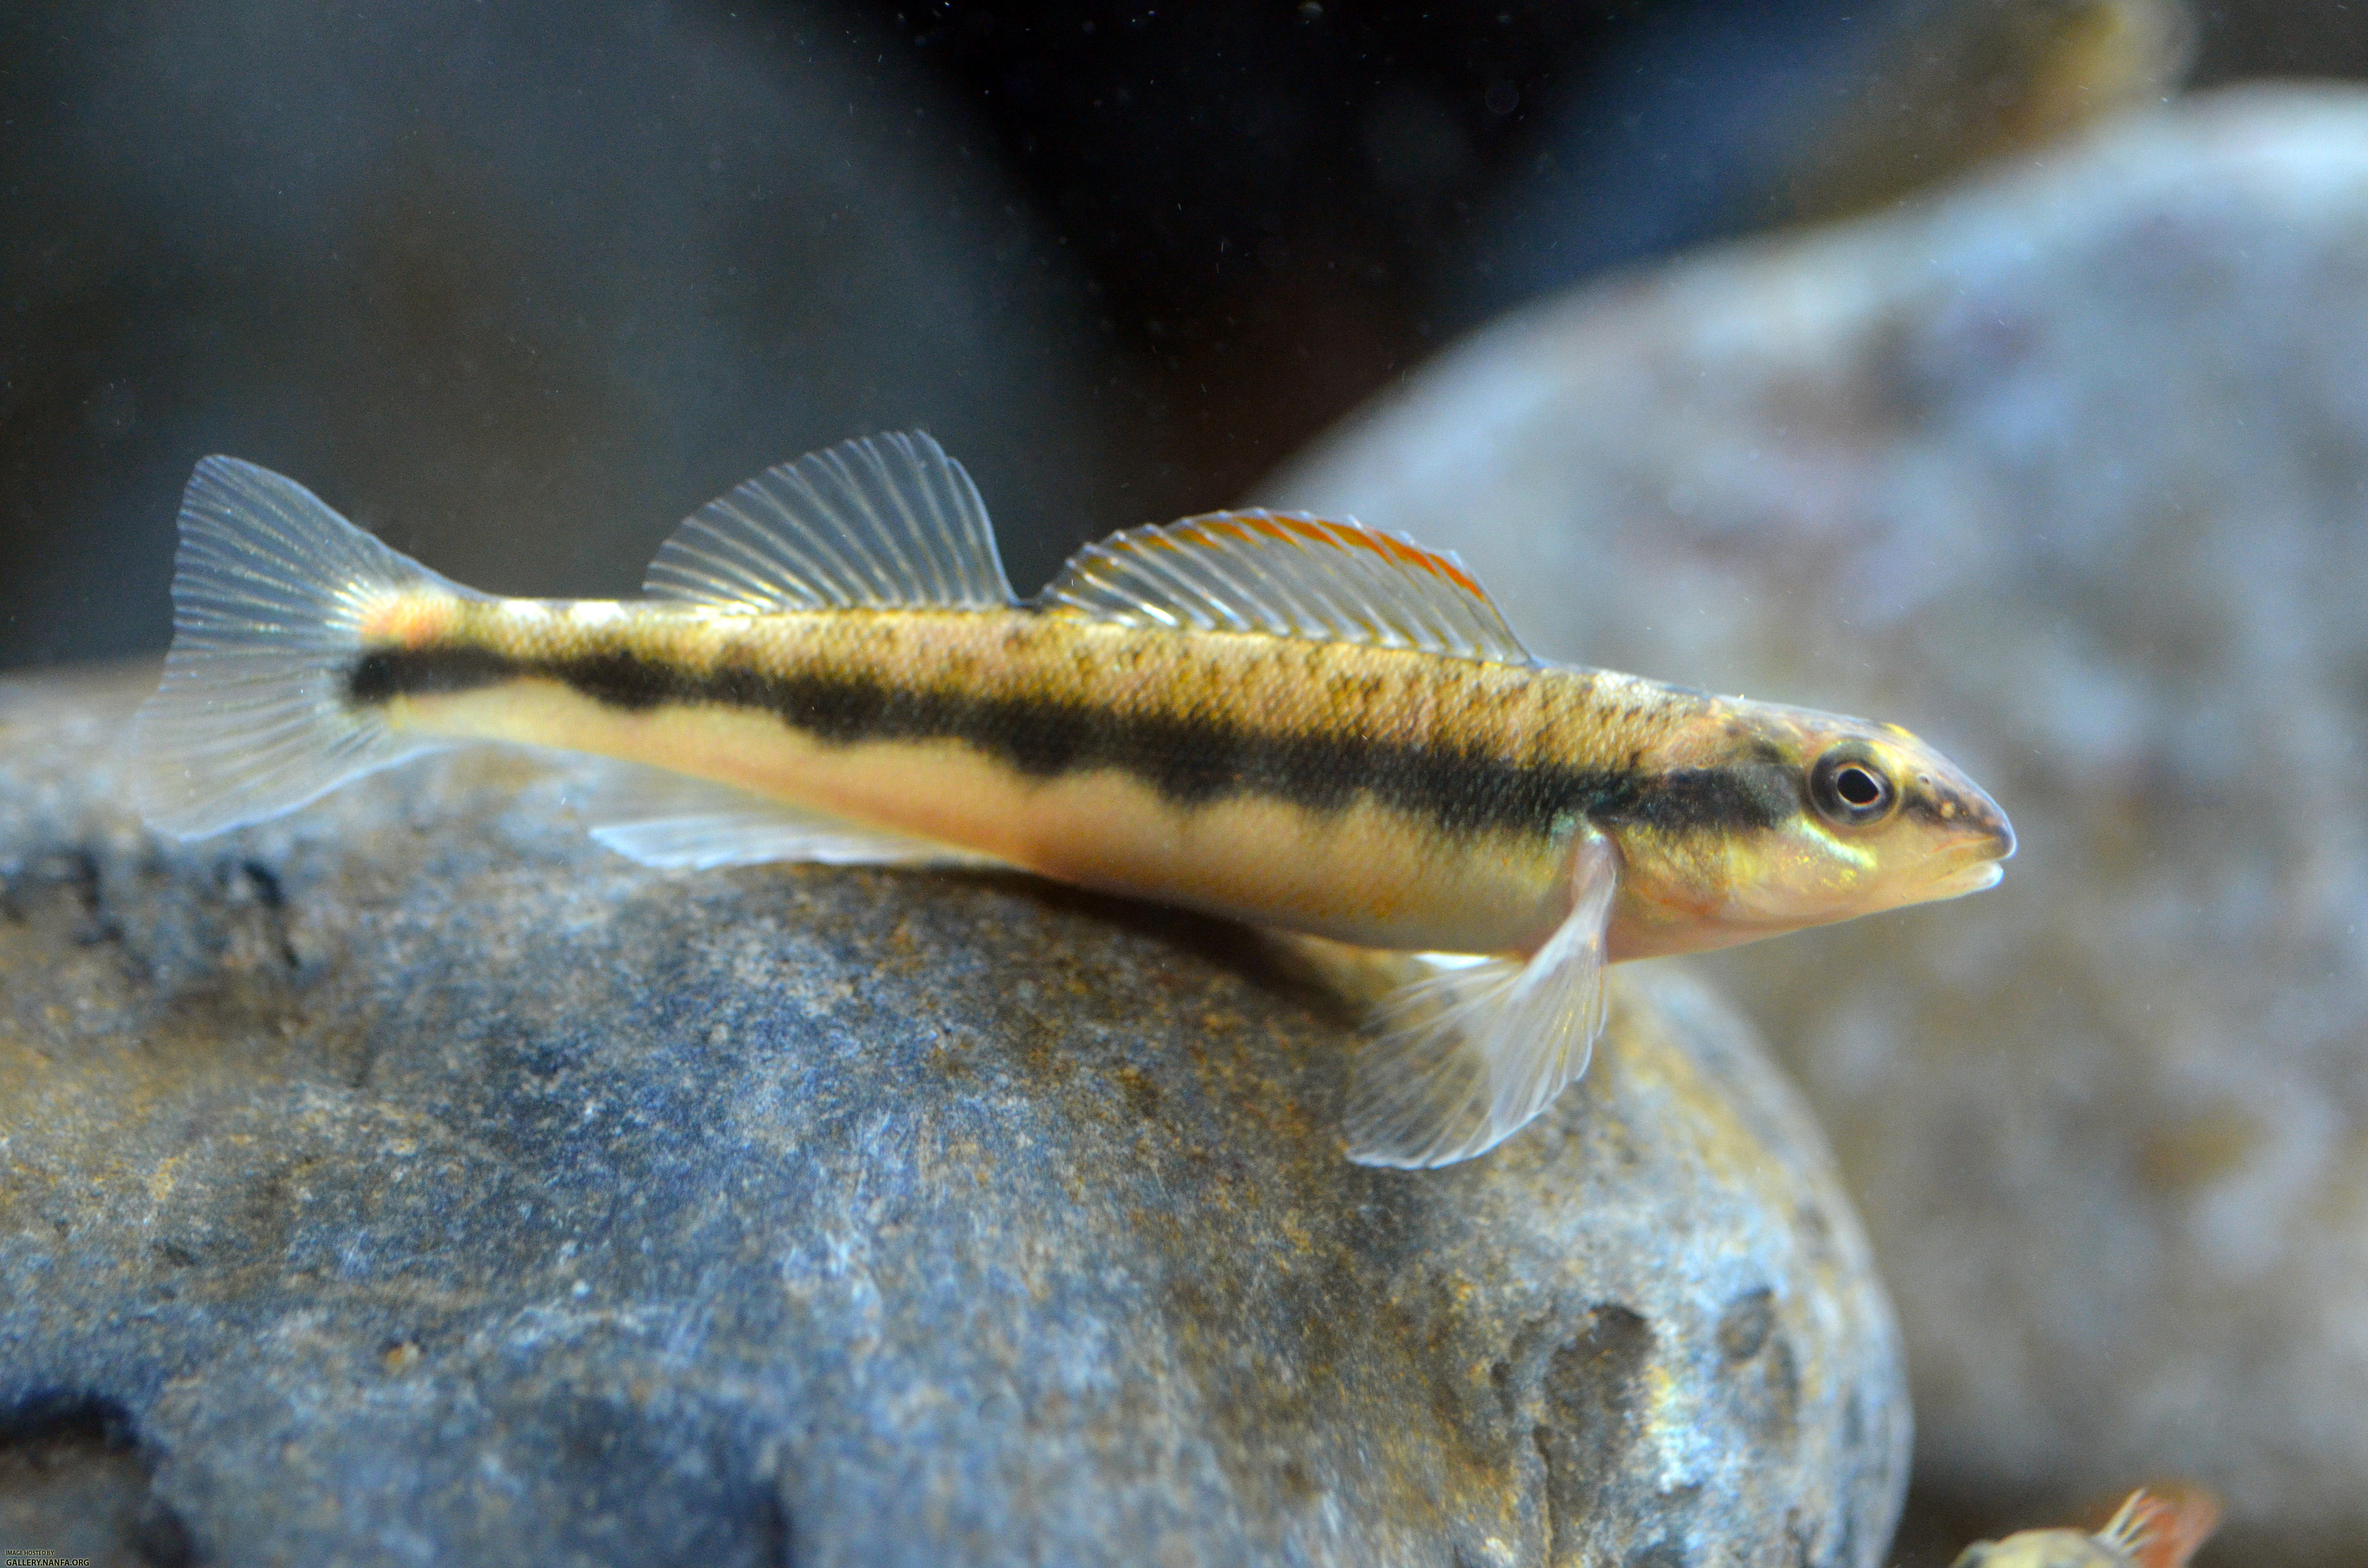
{"x":1975,"y":863}
{"x":1970,"y":879}
{"x":2001,"y":836}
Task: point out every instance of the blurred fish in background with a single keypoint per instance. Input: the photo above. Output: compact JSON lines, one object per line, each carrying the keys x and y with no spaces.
{"x":2153,"y":1528}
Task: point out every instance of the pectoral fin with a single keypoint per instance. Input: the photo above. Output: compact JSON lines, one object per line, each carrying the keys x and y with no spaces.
{"x":1467,"y":1056}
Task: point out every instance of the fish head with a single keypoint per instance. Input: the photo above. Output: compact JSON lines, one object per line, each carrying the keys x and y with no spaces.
{"x":1820,"y":818}
{"x":1887,"y":821}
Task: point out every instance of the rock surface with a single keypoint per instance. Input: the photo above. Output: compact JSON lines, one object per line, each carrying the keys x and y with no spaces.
{"x":408,"y":1181}
{"x":2064,"y":470}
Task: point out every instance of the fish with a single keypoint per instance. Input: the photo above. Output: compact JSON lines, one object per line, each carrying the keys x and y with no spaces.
{"x":1301,"y":722}
{"x":2159,"y":1528}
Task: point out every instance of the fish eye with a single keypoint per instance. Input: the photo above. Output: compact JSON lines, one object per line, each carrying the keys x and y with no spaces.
{"x":1850,"y":789}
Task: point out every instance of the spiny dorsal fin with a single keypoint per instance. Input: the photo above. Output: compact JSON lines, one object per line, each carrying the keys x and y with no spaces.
{"x":888,"y":522}
{"x":1289,"y":575}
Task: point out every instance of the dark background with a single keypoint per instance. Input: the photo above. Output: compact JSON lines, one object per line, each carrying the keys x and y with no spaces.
{"x":518,"y":286}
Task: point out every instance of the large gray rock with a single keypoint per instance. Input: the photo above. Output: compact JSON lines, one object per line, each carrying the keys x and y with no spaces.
{"x":2065,"y":471}
{"x":409,"y":1181}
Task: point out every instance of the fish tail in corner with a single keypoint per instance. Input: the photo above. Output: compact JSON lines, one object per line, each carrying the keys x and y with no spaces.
{"x":270,"y":593}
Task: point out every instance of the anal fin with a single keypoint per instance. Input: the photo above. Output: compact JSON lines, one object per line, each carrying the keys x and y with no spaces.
{"x":672,"y":820}
{"x":1469,"y":1052}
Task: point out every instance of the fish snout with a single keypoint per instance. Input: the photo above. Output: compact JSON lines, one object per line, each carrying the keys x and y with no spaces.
{"x":1969,"y":823}
{"x":1992,"y":823}
{"x":1973,"y":837}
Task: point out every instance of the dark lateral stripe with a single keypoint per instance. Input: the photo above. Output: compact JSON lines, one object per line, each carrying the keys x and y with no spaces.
{"x":1191,"y":761}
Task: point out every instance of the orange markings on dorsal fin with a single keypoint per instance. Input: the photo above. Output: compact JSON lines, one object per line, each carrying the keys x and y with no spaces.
{"x":1348,"y":535}
{"x":1287,"y":575}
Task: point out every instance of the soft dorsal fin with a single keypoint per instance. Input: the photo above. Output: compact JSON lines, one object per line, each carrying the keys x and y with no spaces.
{"x":888,"y":522}
{"x":1291,"y":576}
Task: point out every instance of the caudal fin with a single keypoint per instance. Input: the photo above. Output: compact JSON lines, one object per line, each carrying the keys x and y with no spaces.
{"x":269,"y":594}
